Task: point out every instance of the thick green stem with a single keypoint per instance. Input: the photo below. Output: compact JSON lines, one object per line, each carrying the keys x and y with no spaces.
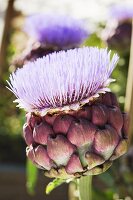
{"x":85,"y":190}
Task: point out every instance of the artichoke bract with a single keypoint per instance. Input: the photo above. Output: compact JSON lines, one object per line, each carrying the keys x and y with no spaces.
{"x":76,"y":143}
{"x":74,"y":126}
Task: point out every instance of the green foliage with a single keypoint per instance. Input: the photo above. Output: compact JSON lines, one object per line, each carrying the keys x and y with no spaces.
{"x":106,"y":186}
{"x":101,"y":195}
{"x":120,"y":74}
{"x":32,"y":175}
{"x":94,"y":40}
{"x":11,"y":123}
{"x":107,"y":179}
{"x":54,"y":184}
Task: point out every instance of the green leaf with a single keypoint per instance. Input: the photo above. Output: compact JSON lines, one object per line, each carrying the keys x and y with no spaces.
{"x":52,"y":185}
{"x":94,"y":40}
{"x":32,"y":175}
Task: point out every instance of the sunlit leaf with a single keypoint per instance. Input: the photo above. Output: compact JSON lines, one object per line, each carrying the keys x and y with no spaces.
{"x":55,"y":183}
{"x":94,"y":40}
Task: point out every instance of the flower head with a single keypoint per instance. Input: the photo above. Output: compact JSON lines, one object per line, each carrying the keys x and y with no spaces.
{"x":121,"y":11}
{"x":56,"y":30}
{"x":63,"y":80}
{"x":79,"y":137}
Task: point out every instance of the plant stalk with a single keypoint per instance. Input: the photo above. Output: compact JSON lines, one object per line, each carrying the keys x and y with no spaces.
{"x":129,"y":92}
{"x":85,"y":188}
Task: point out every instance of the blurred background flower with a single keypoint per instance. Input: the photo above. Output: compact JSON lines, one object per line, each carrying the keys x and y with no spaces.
{"x":56,"y":30}
{"x":119,"y":27}
{"x":49,"y":33}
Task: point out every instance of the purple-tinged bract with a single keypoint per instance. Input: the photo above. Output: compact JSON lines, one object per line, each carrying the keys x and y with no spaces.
{"x":76,"y":144}
{"x":56,"y":30}
{"x":63,"y":80}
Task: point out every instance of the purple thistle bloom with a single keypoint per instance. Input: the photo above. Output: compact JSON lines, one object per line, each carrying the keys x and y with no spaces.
{"x":56,"y":30}
{"x":121,"y":11}
{"x":63,"y":80}
{"x":71,"y":129}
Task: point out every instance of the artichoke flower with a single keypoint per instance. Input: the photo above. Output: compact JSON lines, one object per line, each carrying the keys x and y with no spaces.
{"x":120,"y":37}
{"x":74,"y":126}
{"x":117,"y":34}
{"x":49,"y":33}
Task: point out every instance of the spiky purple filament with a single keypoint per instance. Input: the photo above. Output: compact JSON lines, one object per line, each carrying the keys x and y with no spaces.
{"x":62,"y":78}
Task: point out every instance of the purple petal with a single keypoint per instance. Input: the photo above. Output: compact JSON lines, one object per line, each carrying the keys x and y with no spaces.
{"x":93,"y":160}
{"x":60,"y":149}
{"x":121,"y":149}
{"x":74,"y":165}
{"x":115,"y":118}
{"x":49,"y":119}
{"x":85,"y":112}
{"x":28,"y":135}
{"x":105,"y":141}
{"x":41,"y":133}
{"x":30,"y":153}
{"x":32,"y":120}
{"x":99,"y":115}
{"x":106,"y":99}
{"x":110,"y":99}
{"x":62,"y":123}
{"x":81,"y":132}
{"x":114,"y":99}
{"x":42,"y":158}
